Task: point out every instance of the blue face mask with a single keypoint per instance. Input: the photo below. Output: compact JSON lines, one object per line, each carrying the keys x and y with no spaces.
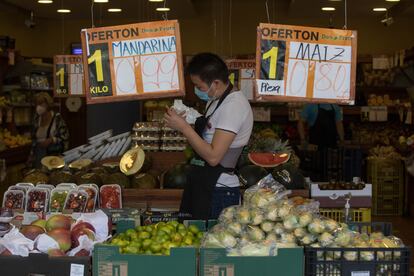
{"x":202,"y":95}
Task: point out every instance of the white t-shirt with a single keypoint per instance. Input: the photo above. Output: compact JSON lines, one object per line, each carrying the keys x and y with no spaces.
{"x":235,"y":115}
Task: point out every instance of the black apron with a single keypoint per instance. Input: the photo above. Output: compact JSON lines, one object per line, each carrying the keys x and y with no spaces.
{"x":202,"y":178}
{"x":323,"y":133}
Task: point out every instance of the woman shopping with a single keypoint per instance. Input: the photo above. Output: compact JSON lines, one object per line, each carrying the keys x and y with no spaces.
{"x":217,"y":138}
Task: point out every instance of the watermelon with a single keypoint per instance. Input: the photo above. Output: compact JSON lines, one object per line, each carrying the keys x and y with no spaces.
{"x":144,"y":181}
{"x":176,"y":177}
{"x":268,"y":159}
{"x":251,"y":174}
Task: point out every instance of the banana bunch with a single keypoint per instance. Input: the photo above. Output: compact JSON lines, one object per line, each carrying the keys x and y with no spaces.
{"x":13,"y":141}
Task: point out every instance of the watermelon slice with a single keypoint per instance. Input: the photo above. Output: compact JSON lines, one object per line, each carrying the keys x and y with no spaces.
{"x":268,"y":159}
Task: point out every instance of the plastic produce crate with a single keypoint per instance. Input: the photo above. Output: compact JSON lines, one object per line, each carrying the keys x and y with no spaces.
{"x":354,"y":261}
{"x":357,"y":215}
{"x":214,"y":262}
{"x":387,"y":178}
{"x":108,"y":261}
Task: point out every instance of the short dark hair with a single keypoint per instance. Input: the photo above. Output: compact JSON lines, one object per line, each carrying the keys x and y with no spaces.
{"x":208,"y":67}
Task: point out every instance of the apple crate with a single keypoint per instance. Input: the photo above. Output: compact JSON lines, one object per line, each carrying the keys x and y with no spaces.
{"x":357,"y":215}
{"x":215,"y":262}
{"x":336,"y":198}
{"x":353,"y":261}
{"x":107,"y":261}
{"x":42,"y":264}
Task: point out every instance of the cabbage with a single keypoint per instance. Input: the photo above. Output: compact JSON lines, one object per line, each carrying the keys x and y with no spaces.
{"x":299,"y":232}
{"x":291,"y":222}
{"x":316,"y":226}
{"x":325,"y":239}
{"x":305,"y":218}
{"x":235,"y":228}
{"x":243,"y":215}
{"x":256,"y":217}
{"x":279,"y":229}
{"x":227,"y":239}
{"x":255,"y":234}
{"x":267,"y":226}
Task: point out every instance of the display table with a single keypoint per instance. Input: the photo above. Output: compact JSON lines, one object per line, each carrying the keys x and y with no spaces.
{"x":168,"y":199}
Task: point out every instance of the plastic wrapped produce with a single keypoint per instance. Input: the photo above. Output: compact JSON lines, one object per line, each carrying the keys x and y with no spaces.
{"x":57,"y":199}
{"x":308,"y":239}
{"x":14,"y":199}
{"x":255,"y":233}
{"x":267,"y":192}
{"x":316,"y":226}
{"x":267,"y":226}
{"x":272,"y":212}
{"x":326,"y":239}
{"x":291,"y":222}
{"x":278,"y":229}
{"x":331,"y":225}
{"x":235,"y":228}
{"x":299,"y":233}
{"x":256,"y":217}
{"x":243,"y":215}
{"x":37,"y":200}
{"x":271,"y":237}
{"x":288,"y":238}
{"x":110,"y":196}
{"x":227,"y":240}
{"x":344,"y":237}
{"x":229,"y":213}
{"x":92,"y":194}
{"x":76,"y":201}
{"x":305,"y":218}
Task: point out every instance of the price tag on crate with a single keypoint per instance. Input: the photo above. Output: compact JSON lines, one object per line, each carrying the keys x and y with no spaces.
{"x":360,"y":273}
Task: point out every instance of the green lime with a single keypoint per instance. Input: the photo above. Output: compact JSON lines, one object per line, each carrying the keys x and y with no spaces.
{"x":148,"y":252}
{"x":144,"y":235}
{"x":139,"y":228}
{"x":200,"y":235}
{"x":130,"y":231}
{"x":167,"y":230}
{"x":160,"y":224}
{"x":193,"y":229}
{"x":188,"y":240}
{"x":130,"y":250}
{"x":176,"y":238}
{"x":181,"y":227}
{"x":166,"y":252}
{"x":146,"y":243}
{"x":155,"y":247}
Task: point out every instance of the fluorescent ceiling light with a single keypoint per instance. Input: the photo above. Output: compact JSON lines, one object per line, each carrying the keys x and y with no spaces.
{"x":45,"y":1}
{"x":156,"y":0}
{"x":114,"y":10}
{"x":163,"y":9}
{"x":63,"y":11}
{"x":101,"y":1}
{"x":379,"y":9}
{"x":328,"y":8}
{"x":392,"y":0}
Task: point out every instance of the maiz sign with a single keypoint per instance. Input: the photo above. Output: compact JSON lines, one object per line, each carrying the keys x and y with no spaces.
{"x":130,"y":62}
{"x":295,"y":63}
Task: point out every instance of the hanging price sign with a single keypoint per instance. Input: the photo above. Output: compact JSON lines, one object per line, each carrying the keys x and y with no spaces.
{"x":242,"y":75}
{"x":296,"y":63}
{"x":129,"y":62}
{"x":68,"y":76}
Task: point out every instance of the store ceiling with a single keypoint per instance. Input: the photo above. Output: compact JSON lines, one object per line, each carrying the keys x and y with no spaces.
{"x":142,"y":9}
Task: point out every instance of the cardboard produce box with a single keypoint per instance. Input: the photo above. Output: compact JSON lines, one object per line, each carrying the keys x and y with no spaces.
{"x":215,"y":262}
{"x":42,"y":265}
{"x":107,"y":261}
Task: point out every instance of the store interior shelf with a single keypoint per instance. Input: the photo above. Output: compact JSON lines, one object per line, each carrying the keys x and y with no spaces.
{"x":16,"y":155}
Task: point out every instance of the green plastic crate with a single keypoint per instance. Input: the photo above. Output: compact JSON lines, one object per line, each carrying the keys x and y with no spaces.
{"x":288,"y":262}
{"x":107,"y":261}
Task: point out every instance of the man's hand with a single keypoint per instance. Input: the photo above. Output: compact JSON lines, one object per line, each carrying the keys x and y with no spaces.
{"x":175,"y":120}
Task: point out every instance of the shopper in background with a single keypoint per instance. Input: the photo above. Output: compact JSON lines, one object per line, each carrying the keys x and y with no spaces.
{"x":49,"y":134}
{"x":217,"y":138}
{"x":325,"y":125}
{"x":325,"y":130}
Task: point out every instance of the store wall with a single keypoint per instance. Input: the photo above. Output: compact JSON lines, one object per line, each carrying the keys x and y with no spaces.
{"x":207,"y":32}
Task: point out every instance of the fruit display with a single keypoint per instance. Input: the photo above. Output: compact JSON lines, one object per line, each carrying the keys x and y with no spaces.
{"x":269,"y":220}
{"x":268,"y":159}
{"x":92,"y":197}
{"x":14,"y":199}
{"x":118,"y":178}
{"x":158,"y":238}
{"x":76,"y":201}
{"x":87,"y":178}
{"x":37,"y":200}
{"x":58,"y":176}
{"x":384,"y":152}
{"x":13,"y":141}
{"x":385,"y":134}
{"x":4,"y":102}
{"x":110,"y":196}
{"x":58,"y":199}
{"x":172,"y":140}
{"x":147,"y":135}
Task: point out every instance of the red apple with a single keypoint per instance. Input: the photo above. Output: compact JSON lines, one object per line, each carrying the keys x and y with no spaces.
{"x":82,"y":225}
{"x":58,"y":221}
{"x":82,"y":253}
{"x":31,"y":231}
{"x":62,"y":237}
{"x":56,"y":253}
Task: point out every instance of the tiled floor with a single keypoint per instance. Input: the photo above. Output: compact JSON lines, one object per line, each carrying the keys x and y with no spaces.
{"x":403,"y":227}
